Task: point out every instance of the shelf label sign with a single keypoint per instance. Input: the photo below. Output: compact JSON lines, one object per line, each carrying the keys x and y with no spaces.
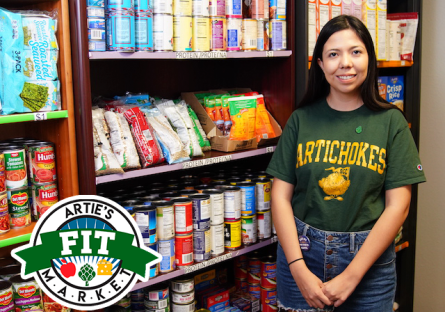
{"x":202,"y":265}
{"x":269,"y":53}
{"x":205,"y":162}
{"x":40,"y":116}
{"x":201,"y":55}
{"x":269,"y":149}
{"x":86,"y":252}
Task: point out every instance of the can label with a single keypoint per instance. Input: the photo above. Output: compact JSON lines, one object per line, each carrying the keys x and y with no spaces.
{"x":183,"y":298}
{"x":144,"y":31}
{"x":259,"y":9}
{"x":163,"y":6}
{"x":234,"y":8}
{"x":182,"y":7}
{"x":254,"y":271}
{"x":97,"y":46}
{"x":184,"y":218}
{"x":269,"y":275}
{"x":217,"y":7}
{"x":96,"y":34}
{"x":2,"y":173}
{"x":218,"y":40}
{"x":96,"y":23}
{"x":143,"y":5}
{"x":217,"y":239}
{"x":27,"y":296}
{"x":263,"y":36}
{"x":254,"y":290}
{"x":165,"y":222}
{"x":250,"y":31}
{"x":146,"y":220}
{"x":43,"y":197}
{"x":217,"y":209}
{"x":232,"y":204}
{"x":4,"y":213}
{"x":163,"y":32}
{"x":95,"y":12}
{"x":201,"y":245}
{"x":18,"y":206}
{"x":277,"y":33}
{"x":121,"y":31}
{"x":268,"y":296}
{"x":232,"y":234}
{"x":248,"y":200}
{"x":154,"y":269}
{"x":277,"y":9}
{"x":167,"y":250}
{"x":183,"y":286}
{"x":200,"y":8}
{"x":120,"y":5}
{"x":201,"y":34}
{"x":182,"y":33}
{"x":160,"y":305}
{"x":201,"y":214}
{"x":6,"y":300}
{"x":184,"y":250}
{"x":249,"y":229}
{"x":264,"y":225}
{"x":15,"y":169}
{"x":234,"y":34}
{"x":263,"y":195}
{"x":190,"y":307}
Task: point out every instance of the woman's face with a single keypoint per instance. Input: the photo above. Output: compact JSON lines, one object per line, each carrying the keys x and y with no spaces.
{"x":344,"y":63}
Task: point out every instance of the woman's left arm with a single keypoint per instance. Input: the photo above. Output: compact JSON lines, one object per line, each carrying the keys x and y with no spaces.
{"x":381,"y":236}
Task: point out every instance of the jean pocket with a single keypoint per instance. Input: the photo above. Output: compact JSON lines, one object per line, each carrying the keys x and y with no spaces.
{"x":388,"y":256}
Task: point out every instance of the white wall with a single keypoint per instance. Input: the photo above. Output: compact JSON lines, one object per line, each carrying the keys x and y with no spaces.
{"x":429,"y":293}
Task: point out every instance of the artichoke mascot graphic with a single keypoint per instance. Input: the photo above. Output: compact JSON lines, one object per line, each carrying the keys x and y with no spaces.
{"x":86,"y":252}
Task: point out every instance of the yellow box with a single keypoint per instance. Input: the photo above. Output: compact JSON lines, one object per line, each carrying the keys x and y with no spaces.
{"x":369,"y":17}
{"x":381,"y":47}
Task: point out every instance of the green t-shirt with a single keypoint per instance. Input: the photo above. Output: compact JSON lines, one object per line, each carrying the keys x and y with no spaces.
{"x":341,"y":164}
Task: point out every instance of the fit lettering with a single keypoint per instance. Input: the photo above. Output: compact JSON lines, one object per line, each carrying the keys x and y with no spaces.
{"x":71,"y":238}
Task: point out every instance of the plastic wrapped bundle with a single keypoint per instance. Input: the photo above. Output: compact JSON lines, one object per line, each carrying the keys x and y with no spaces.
{"x":181,"y":107}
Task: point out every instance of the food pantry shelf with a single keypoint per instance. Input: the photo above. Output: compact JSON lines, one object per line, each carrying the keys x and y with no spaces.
{"x":212,"y":157}
{"x":15,"y":236}
{"x":202,"y":265}
{"x":187,"y":55}
{"x":39,"y":116}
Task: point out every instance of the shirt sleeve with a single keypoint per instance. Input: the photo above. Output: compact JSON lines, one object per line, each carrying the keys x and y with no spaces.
{"x":404,"y":166}
{"x":283,"y":162}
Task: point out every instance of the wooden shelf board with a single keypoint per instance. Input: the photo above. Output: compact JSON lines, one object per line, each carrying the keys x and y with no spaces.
{"x":6,"y":119}
{"x":15,"y":236}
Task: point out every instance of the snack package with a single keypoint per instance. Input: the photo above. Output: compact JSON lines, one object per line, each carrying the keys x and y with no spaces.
{"x":263,"y":128}
{"x":121,"y":141}
{"x":243,"y":114}
{"x":219,"y":118}
{"x":408,"y":27}
{"x":209,"y":105}
{"x":200,"y":133}
{"x":104,"y":160}
{"x":181,"y":107}
{"x":136,"y":99}
{"x":226,"y":112}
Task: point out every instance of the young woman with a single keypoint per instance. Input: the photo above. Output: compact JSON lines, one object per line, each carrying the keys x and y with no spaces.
{"x":343,"y":172}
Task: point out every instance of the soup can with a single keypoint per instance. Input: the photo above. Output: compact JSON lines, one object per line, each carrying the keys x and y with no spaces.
{"x":217,"y":239}
{"x":143,"y":6}
{"x":43,"y":197}
{"x":119,"y":5}
{"x":264,"y":224}
{"x":4,"y":214}
{"x":18,"y":206}
{"x":217,"y":206}
{"x":234,"y":34}
{"x":188,"y":307}
{"x":163,"y":6}
{"x":277,"y":9}
{"x":2,"y":173}
{"x":182,"y":7}
{"x":145,"y":217}
{"x":277,"y":33}
{"x":200,"y":8}
{"x":217,"y":8}
{"x":232,"y":203}
{"x":182,"y":33}
{"x":262,"y":193}
{"x":201,"y":245}
{"x":268,"y":272}
{"x":201,"y":211}
{"x":218,"y":34}
{"x":201,"y":34}
{"x":263,"y":35}
{"x":144,"y":31}
{"x":165,"y":219}
{"x":183,"y":216}
{"x":234,"y":8}
{"x":259,"y":9}
{"x":232,"y":234}
{"x":163,"y":32}
{"x":154,"y":269}
{"x":249,"y":229}
{"x":184,"y":250}
{"x":15,"y":168}
{"x":27,"y":293}
{"x":250,"y":34}
{"x":248,"y":201}
{"x":121,"y":31}
{"x":182,"y":286}
{"x":167,"y":250}
{"x":6,"y":296}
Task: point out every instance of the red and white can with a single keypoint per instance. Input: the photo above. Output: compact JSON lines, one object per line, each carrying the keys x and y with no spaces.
{"x":43,"y":197}
{"x":241,"y":284}
{"x":254,"y":271}
{"x":42,"y":162}
{"x":268,"y":272}
{"x":254,"y":290}
{"x":268,"y":299}
{"x":184,"y":249}
{"x":183,"y":216}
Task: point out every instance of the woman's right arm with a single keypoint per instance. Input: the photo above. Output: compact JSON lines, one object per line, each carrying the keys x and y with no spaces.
{"x":283,"y":218}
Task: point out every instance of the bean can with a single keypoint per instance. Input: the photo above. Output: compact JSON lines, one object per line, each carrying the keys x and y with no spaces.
{"x":167,"y":250}
{"x":27,"y":293}
{"x":249,"y":229}
{"x":121,"y":31}
{"x":43,"y":197}
{"x":15,"y":168}
{"x":184,"y":250}
{"x":2,"y":173}
{"x":201,"y":34}
{"x":4,"y":214}
{"x":6,"y":296}
{"x":232,"y":234}
{"x":201,"y":211}
{"x":18,"y":206}
{"x":218,"y":34}
{"x":165,"y":219}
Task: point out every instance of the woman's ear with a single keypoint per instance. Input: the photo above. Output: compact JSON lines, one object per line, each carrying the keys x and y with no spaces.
{"x":320,"y":63}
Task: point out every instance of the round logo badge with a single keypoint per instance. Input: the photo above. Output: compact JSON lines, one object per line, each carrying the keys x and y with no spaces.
{"x":86,"y":252}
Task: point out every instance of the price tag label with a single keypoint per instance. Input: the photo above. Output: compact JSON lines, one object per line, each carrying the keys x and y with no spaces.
{"x":269,"y":53}
{"x":205,"y":162}
{"x":402,"y":63}
{"x":269,"y":149}
{"x":202,"y":265}
{"x":201,"y":55}
{"x":40,"y":116}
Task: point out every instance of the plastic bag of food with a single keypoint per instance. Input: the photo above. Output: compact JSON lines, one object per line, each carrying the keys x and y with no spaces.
{"x":263,"y":127}
{"x":171,"y":145}
{"x":243,"y":114}
{"x":200,"y":133}
{"x":226,"y":112}
{"x":39,"y":29}
{"x":121,"y":141}
{"x":408,"y":28}
{"x":104,"y":160}
{"x":181,"y":107}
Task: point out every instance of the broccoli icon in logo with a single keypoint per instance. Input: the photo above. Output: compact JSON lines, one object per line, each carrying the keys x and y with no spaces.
{"x":86,"y":273}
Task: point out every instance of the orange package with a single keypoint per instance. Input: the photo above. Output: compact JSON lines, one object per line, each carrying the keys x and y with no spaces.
{"x":263,"y":127}
{"x":243,"y":114}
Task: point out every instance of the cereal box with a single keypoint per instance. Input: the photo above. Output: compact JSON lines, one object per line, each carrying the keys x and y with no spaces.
{"x":380,"y":42}
{"x":382,"y":82}
{"x":346,"y":7}
{"x":369,"y":17}
{"x":395,"y":91}
{"x":312,"y":28}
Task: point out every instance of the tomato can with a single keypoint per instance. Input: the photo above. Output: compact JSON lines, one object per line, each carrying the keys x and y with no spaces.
{"x":182,"y":33}
{"x":201,"y":211}
{"x":144,"y":31}
{"x":163,"y":6}
{"x":15,"y":168}
{"x":234,"y":8}
{"x":154,"y":269}
{"x":189,"y":307}
{"x":201,"y":34}
{"x":268,"y":272}
{"x":249,"y":229}
{"x":217,"y":239}
{"x":200,"y":8}
{"x":277,"y":33}
{"x":232,"y":203}
{"x":232,"y":234}
{"x":163,"y":32}
{"x":217,"y":206}
{"x":182,"y":7}
{"x":4,"y":214}
{"x":121,"y":31}
{"x":217,"y":8}
{"x":218,"y":34}
{"x":264,"y":224}
{"x":254,"y":290}
{"x":254,"y":271}
{"x":167,"y":250}
{"x":262,"y":37}
{"x":234,"y":34}
{"x":182,"y":286}
{"x":201,"y":245}
{"x":184,"y":250}
{"x":183,"y":298}
{"x":2,"y":173}
{"x":250,"y":34}
{"x":241,"y":284}
{"x":6,"y":296}
{"x":145,"y":217}
{"x":262,"y":193}
{"x":183,"y":216}
{"x":43,"y":197}
{"x":18,"y":206}
{"x":259,"y":9}
{"x":248,"y":201}
{"x":27,"y":293}
{"x":165,"y":219}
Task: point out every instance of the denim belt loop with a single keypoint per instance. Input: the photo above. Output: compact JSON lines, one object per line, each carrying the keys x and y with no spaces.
{"x":351,"y":242}
{"x":306,"y":227}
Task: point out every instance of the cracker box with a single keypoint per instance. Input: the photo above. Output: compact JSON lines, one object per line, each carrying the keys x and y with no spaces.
{"x":205,"y":280}
{"x":395,"y":91}
{"x":380,"y":42}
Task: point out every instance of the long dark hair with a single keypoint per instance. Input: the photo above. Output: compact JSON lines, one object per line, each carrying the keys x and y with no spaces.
{"x":318,"y":87}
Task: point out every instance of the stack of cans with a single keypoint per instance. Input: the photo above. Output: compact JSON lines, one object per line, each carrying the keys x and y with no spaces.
{"x":268,"y":283}
{"x":157,"y":298}
{"x":163,"y":25}
{"x":96,"y":25}
{"x":201,"y":226}
{"x":232,"y":217}
{"x":277,"y":25}
{"x":144,"y":25}
{"x":218,"y":26}
{"x":120,"y":25}
{"x":216,"y":221}
{"x":183,"y":295}
{"x":165,"y":228}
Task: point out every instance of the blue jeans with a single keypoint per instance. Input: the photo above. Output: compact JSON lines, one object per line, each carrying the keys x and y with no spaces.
{"x":329,"y":255}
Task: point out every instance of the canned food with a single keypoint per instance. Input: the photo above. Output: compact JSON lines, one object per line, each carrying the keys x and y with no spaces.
{"x":254,"y":290}
{"x":15,"y":168}
{"x":169,"y":195}
{"x":165,"y":219}
{"x":234,"y":34}
{"x":268,"y":297}
{"x":268,"y":272}
{"x":146,"y":200}
{"x":43,"y":197}
{"x":218,"y":34}
{"x":119,"y":5}
{"x":217,"y":206}
{"x":263,"y":189}
{"x":277,"y":9}
{"x":4,"y":214}
{"x":200,"y":8}
{"x":232,"y":203}
{"x":130,"y":204}
{"x":6,"y":296}
{"x":2,"y":173}
{"x":249,"y":229}
{"x":189,"y":307}
{"x":187,"y":192}
{"x":200,"y":188}
{"x":182,"y":286}
{"x":27,"y":293}
{"x":98,"y":3}
{"x":183,"y":298}
{"x":96,"y":34}
{"x":163,"y":6}
{"x":144,"y":31}
{"x":182,"y":7}
{"x":277,"y":33}
{"x":184,"y":250}
{"x":121,"y":31}
{"x":259,"y":9}
{"x":157,"y":297}
{"x":167,"y":250}
{"x":154,"y":269}
{"x":250,"y":32}
{"x":263,"y":37}
{"x":254,"y":271}
{"x":18,"y":206}
{"x":241,"y":273}
{"x":264,"y":224}
{"x":248,"y":201}
{"x":201,"y":245}
{"x":232,"y":234}
{"x":234,"y":8}
{"x":242,"y":285}
{"x":97,"y":45}
{"x":143,"y":5}
{"x":217,"y":239}
{"x":96,"y":23}
{"x":217,"y":8}
{"x":50,"y":305}
{"x":183,"y":216}
{"x":163,"y":32}
{"x":201,"y":34}
{"x":96,"y":12}
{"x":201,"y":211}
{"x":182,"y":33}
{"x":145,"y":217}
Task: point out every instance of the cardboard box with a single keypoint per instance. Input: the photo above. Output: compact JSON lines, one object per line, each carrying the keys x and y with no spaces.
{"x":395,"y":90}
{"x":357,"y":8}
{"x":382,"y":82}
{"x":335,"y":7}
{"x":312,"y":28}
{"x":381,"y":47}
{"x":323,"y":14}
{"x":393,"y":40}
{"x":369,"y":17}
{"x":218,"y":141}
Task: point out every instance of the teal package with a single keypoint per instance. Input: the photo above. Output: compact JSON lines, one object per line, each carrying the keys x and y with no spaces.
{"x":53,"y":101}
{"x":40,"y":63}
{"x":39,"y":29}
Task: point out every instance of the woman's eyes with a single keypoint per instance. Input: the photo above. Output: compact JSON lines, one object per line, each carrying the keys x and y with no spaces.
{"x":356,"y":52}
{"x":332,"y":54}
